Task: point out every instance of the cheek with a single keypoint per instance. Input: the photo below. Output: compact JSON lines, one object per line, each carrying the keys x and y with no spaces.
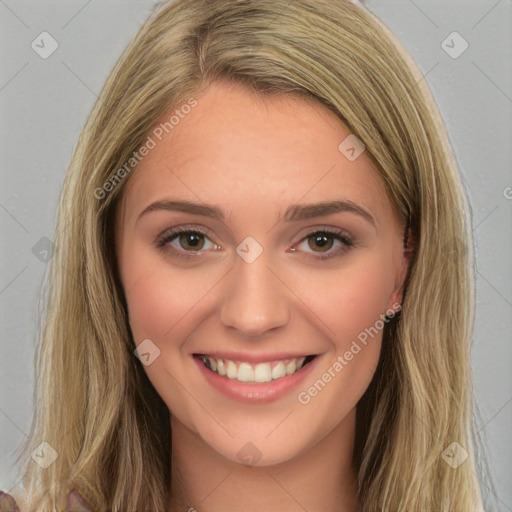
{"x":159,"y":296}
{"x":158,"y":303}
{"x":351,"y":302}
{"x":151,"y":307}
{"x":351,"y":298}
{"x":162,"y":302}
{"x":364,"y":297}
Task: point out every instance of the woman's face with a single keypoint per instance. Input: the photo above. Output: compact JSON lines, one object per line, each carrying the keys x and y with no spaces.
{"x":249,"y":236}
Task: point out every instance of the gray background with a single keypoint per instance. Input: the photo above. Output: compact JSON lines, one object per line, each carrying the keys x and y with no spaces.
{"x":44,"y":103}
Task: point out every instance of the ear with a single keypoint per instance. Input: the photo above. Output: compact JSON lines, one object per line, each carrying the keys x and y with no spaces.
{"x":402,"y":270}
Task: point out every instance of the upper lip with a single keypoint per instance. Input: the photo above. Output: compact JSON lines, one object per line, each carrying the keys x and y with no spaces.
{"x":254,"y":358}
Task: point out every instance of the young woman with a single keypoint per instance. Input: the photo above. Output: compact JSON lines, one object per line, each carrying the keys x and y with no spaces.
{"x":250,"y":307}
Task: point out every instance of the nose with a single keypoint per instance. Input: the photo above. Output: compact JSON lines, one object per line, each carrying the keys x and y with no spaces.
{"x":255,"y":300}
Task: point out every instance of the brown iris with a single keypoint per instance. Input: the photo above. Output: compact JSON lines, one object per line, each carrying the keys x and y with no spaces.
{"x":322,"y":240}
{"x":191,"y":241}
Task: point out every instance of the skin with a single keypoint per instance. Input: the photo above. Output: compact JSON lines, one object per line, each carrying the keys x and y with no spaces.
{"x":252,"y":158}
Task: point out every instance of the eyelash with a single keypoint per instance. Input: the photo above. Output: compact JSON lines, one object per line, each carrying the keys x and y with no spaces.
{"x":163,"y":240}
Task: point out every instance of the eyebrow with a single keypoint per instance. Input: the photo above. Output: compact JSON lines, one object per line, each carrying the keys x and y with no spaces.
{"x":293,"y":213}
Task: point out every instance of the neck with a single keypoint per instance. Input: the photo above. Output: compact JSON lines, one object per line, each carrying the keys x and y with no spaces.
{"x":320,"y":478}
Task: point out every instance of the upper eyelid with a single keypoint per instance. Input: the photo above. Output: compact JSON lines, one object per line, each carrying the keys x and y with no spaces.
{"x":178,"y":230}
{"x":206,"y":231}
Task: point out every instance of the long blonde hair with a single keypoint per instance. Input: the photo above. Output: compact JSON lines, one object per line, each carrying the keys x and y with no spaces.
{"x":93,"y":402}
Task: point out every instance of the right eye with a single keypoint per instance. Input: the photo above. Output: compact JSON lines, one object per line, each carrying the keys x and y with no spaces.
{"x":185,"y":240}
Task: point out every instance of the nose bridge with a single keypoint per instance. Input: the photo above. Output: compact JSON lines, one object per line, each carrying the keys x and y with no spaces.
{"x":254,"y":300}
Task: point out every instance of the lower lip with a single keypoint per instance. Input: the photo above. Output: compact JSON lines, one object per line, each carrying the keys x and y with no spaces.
{"x":256,"y":392}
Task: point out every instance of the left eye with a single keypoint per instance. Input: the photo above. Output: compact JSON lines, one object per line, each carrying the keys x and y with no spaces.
{"x":325,"y":241}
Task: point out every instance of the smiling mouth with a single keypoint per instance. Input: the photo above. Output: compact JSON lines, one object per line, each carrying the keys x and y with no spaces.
{"x":258,"y":373}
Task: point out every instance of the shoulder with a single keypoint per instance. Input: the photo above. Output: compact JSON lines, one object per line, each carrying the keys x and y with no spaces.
{"x":74,"y":502}
{"x":7,"y":503}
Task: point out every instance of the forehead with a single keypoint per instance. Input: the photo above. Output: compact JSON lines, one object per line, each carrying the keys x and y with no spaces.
{"x":248,"y":151}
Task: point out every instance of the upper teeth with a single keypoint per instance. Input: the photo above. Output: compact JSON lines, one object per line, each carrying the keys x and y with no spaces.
{"x":246,"y":372}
